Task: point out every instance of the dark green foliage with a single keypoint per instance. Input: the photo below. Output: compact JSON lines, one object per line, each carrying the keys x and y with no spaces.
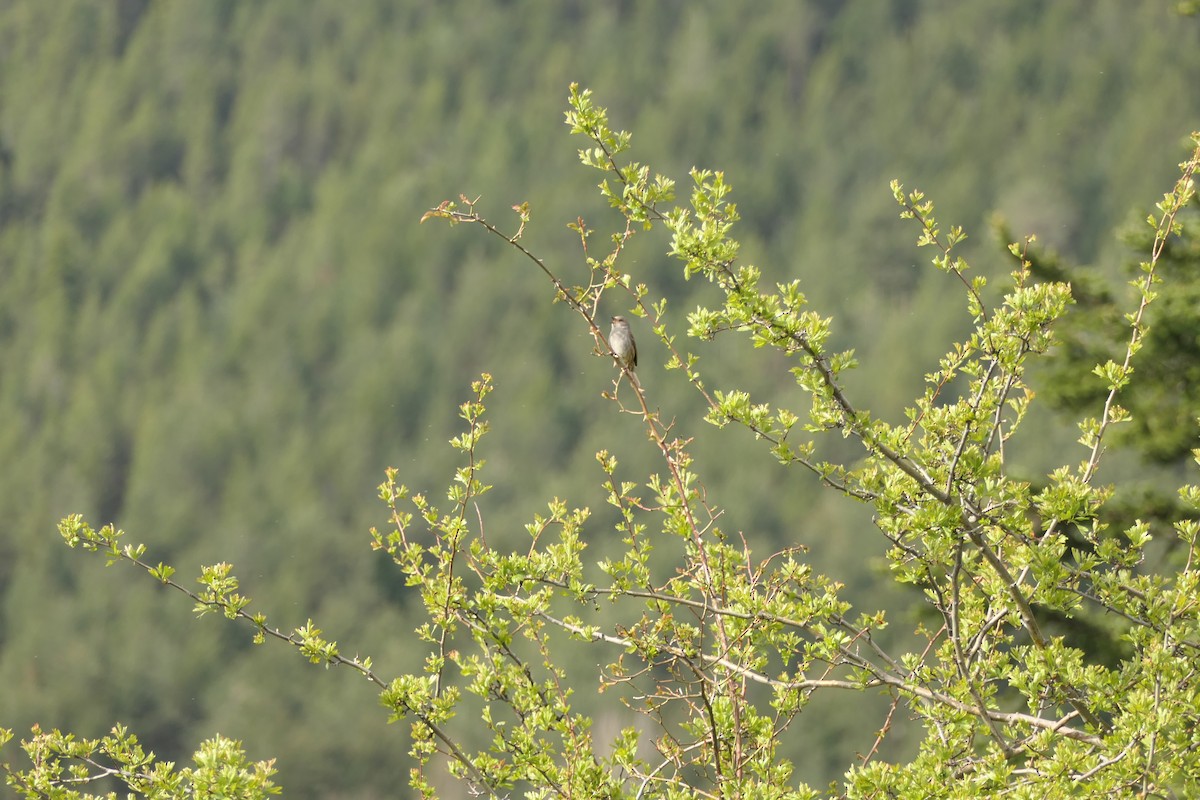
{"x":1166,"y":402}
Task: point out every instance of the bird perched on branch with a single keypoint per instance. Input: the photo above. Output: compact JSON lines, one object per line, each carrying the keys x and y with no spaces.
{"x":620,"y":339}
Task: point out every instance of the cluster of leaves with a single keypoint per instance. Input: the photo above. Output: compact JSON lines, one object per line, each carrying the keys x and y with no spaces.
{"x":719,"y":646}
{"x":62,"y":762}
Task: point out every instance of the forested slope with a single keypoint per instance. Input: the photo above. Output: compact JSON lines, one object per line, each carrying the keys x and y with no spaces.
{"x":220,"y":319}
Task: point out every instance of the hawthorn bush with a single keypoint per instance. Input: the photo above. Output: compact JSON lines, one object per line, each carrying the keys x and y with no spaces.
{"x":721,"y":643}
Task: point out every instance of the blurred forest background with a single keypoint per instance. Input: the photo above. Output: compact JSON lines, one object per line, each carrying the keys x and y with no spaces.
{"x":220,"y":319}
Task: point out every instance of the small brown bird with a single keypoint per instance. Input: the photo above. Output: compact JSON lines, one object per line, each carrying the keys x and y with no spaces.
{"x":620,"y":339}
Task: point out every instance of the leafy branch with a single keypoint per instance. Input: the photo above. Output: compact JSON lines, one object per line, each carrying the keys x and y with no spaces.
{"x":63,"y":763}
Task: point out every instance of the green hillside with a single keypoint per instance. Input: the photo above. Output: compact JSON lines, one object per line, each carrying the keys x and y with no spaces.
{"x":220,"y":318}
